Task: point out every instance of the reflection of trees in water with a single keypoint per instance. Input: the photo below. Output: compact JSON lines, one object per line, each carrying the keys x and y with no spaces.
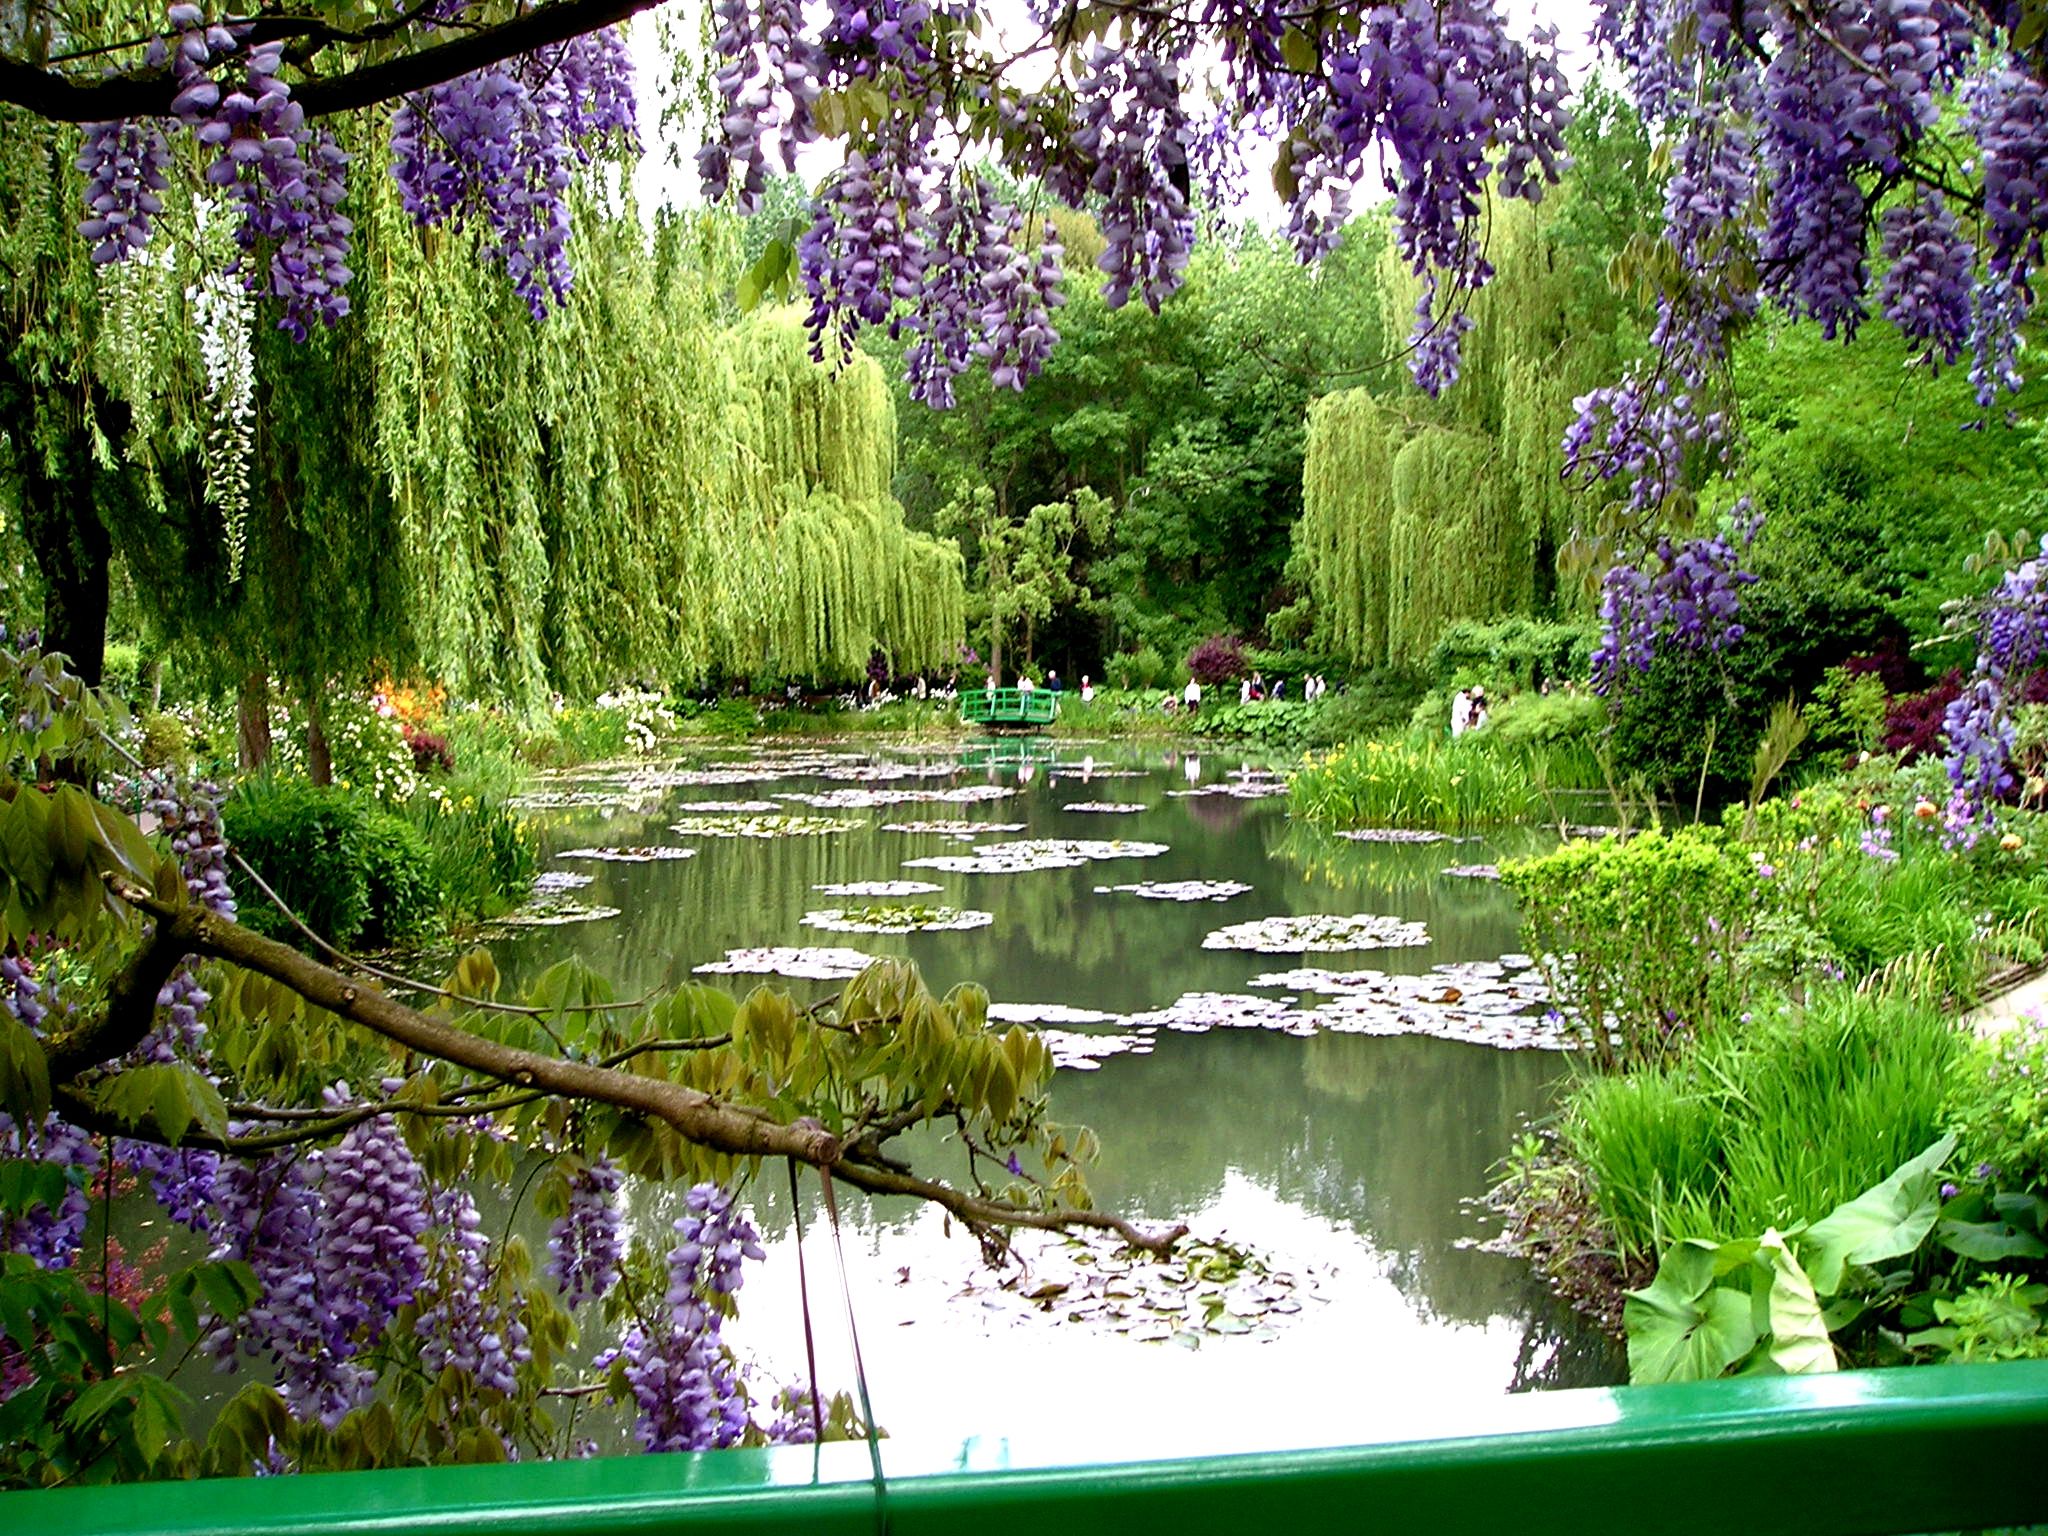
{"x":1560,"y":1349}
{"x":1386,"y":1135}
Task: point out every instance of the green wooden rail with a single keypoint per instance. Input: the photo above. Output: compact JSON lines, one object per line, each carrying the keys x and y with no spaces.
{"x":1008,"y":706}
{"x":1866,"y":1453}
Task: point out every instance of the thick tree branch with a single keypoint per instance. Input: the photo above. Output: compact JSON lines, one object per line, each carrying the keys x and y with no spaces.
{"x":130,"y":1013}
{"x":695,"y":1116}
{"x":147,"y":93}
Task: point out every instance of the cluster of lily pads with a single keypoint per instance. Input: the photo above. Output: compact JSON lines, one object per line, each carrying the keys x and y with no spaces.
{"x":959,"y":831}
{"x":1318,"y":933}
{"x":884,"y":918}
{"x":1208,"y":1289}
{"x":632,"y":854}
{"x":772,"y":824}
{"x":1105,"y":807}
{"x":868,"y":799}
{"x":1026,"y":854}
{"x":797,"y":962}
{"x":1179,"y":890}
{"x":878,"y":888}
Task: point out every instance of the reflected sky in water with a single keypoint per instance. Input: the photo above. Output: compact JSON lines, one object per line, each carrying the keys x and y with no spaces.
{"x":1341,"y":1156}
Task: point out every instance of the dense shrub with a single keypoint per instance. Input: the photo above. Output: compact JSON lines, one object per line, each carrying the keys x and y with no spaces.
{"x":1548,"y":719}
{"x":1142,"y":668}
{"x":1512,"y":653}
{"x":1767,"y":1125}
{"x":1216,"y":660}
{"x":166,"y":742}
{"x":1444,"y":788}
{"x":482,"y":856}
{"x":1916,"y":726}
{"x":430,"y":753}
{"x":1642,"y":933}
{"x":307,"y":845}
{"x":403,"y":899}
{"x":353,"y":871}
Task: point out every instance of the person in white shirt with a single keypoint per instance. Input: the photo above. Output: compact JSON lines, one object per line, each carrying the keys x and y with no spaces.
{"x":1461,"y":714}
{"x":1244,"y":690}
{"x":1191,"y":696}
{"x":1087,"y":690}
{"x":1024,"y":684}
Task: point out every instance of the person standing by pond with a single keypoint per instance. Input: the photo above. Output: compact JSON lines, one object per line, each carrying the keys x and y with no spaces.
{"x":1191,"y":696}
{"x":1052,"y":681}
{"x":1087,"y":690}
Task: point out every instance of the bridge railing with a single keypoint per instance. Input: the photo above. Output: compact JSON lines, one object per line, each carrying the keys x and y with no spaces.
{"x":1869,"y":1453}
{"x":1008,"y":706}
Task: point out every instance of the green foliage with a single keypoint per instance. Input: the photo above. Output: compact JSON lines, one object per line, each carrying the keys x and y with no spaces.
{"x":1142,"y":668}
{"x":1998,"y":1104}
{"x":1515,"y":653}
{"x":1847,"y":711}
{"x":402,"y":896}
{"x":1387,"y":784}
{"x":166,"y":743}
{"x":1640,"y":932}
{"x":306,"y":843}
{"x":1712,"y":1304}
{"x":1767,"y":1125}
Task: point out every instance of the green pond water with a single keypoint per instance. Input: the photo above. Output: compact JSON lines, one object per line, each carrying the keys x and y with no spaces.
{"x":1341,"y":1159}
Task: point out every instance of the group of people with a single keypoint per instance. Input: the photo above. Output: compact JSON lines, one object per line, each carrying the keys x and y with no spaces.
{"x":1025,"y":684}
{"x":1252,"y":690}
{"x":1468,"y":710}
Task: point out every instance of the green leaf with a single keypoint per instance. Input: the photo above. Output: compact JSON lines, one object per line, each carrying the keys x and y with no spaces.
{"x":1682,"y":1326}
{"x":1887,"y":1221}
{"x":24,"y":1073}
{"x":25,"y":1183}
{"x":1799,"y":1333}
{"x":1299,"y":52}
{"x":168,"y":1096}
{"x":26,"y":852}
{"x":1988,"y":1242}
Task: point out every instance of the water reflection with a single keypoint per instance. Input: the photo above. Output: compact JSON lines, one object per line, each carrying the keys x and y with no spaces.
{"x":1344,"y":1153}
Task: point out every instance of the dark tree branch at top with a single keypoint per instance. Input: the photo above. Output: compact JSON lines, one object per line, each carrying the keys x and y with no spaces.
{"x":148,"y":93}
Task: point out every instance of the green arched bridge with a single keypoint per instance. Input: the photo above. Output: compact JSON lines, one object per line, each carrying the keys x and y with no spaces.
{"x":1021,"y":708}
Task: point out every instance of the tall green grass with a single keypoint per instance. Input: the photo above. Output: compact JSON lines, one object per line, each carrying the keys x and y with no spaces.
{"x":1766,"y":1125}
{"x":1392,"y":784}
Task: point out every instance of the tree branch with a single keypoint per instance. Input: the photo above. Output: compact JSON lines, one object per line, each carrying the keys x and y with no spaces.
{"x":130,"y":1013}
{"x":57,"y":97}
{"x":695,"y":1116}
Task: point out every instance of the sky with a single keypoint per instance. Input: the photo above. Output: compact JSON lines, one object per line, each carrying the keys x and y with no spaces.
{"x":660,"y":181}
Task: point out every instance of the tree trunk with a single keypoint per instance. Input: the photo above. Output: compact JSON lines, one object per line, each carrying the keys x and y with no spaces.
{"x":71,"y":550}
{"x":319,"y":761}
{"x":252,"y":729}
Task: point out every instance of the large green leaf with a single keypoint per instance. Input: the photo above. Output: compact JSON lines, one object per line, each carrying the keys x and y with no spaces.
{"x":1683,"y":1326}
{"x":1884,"y":1222}
{"x":1799,"y":1332}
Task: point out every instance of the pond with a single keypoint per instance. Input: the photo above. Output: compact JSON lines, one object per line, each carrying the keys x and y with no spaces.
{"x":1339,"y":1153}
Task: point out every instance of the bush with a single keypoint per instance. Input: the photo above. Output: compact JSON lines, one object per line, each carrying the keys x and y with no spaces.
{"x":1387,"y":784}
{"x":166,"y":742}
{"x":1917,"y":725}
{"x":307,"y":845}
{"x":1642,"y":933}
{"x":1547,"y":720}
{"x":1512,"y":653}
{"x":1139,"y":669}
{"x":1998,"y":1104}
{"x":430,"y":753}
{"x":403,"y":900}
{"x":1216,"y":660}
{"x":1766,"y":1125}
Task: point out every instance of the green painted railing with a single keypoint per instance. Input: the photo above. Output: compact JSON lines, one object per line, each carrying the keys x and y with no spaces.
{"x":1008,"y":706}
{"x":1865,"y":1453}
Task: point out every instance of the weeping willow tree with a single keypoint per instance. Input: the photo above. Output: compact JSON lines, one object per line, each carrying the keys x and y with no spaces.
{"x":1419,"y":513}
{"x":637,"y":488}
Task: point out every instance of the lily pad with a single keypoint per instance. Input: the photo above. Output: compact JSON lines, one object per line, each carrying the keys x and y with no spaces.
{"x":1474,"y":871}
{"x":1393,"y":835}
{"x":556,"y":912}
{"x":868,"y":799}
{"x":1105,"y":807}
{"x":1196,"y":1013}
{"x":629,"y":855}
{"x":1179,"y":890}
{"x":1086,"y":1053}
{"x":879,"y":888}
{"x":1316,"y":933}
{"x":1027,"y":854}
{"x":888,"y":919}
{"x":806,"y":964}
{"x":777,"y":825}
{"x":553,"y":882}
{"x":729,"y":807}
{"x":959,"y":831}
{"x":1046,"y":1013}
